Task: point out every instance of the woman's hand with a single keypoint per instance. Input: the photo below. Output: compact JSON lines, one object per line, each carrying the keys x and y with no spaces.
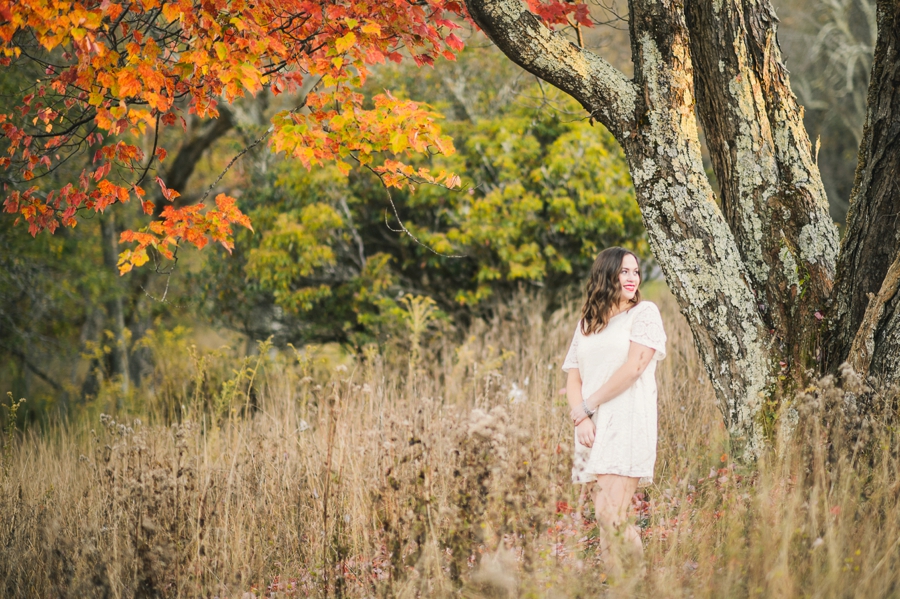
{"x":577,"y":415}
{"x":638,"y":359}
{"x":584,"y":432}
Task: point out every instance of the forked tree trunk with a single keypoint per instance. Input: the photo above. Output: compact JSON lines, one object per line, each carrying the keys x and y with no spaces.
{"x":771,"y":190}
{"x":754,"y":278}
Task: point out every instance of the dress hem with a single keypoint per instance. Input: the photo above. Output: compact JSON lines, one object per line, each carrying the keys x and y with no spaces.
{"x":589,"y":477}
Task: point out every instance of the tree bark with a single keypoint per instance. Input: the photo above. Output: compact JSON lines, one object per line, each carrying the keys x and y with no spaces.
{"x":771,"y":190}
{"x":191,"y":151}
{"x":866,"y":313}
{"x":862,"y":351}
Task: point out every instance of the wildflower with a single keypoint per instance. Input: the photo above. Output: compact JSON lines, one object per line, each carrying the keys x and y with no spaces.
{"x":517,"y":394}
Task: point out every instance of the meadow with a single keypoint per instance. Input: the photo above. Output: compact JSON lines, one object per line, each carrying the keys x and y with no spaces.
{"x":435,"y":467}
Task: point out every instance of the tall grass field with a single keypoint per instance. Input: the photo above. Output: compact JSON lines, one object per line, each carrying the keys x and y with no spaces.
{"x":436,"y":468}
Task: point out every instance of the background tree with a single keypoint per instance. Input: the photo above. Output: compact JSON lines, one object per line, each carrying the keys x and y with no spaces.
{"x":541,"y":194}
{"x":753,"y":268}
{"x":112,"y":73}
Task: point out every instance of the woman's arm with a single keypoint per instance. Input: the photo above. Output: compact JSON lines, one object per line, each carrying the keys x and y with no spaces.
{"x":573,"y":389}
{"x":639,"y":357}
{"x":584,"y":426}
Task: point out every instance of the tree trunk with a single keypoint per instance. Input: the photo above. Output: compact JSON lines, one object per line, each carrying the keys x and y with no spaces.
{"x":771,"y":190}
{"x":200,"y":138}
{"x":754,"y":278}
{"x":866,"y":314}
{"x":114,"y":306}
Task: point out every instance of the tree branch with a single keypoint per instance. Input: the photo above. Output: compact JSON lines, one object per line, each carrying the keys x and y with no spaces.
{"x":863,"y":347}
{"x":35,"y":369}
{"x":873,"y":236}
{"x":604,"y":91}
{"x":770,"y":189}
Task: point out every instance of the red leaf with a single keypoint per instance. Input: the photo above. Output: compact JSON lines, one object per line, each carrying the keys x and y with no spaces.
{"x":563,"y":508}
{"x":169,"y":194}
{"x":454,"y":42}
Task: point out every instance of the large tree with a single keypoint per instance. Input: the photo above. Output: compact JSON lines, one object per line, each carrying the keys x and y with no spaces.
{"x":756,"y":269}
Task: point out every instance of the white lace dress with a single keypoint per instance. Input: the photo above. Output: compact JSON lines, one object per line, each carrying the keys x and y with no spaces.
{"x":625,"y":439}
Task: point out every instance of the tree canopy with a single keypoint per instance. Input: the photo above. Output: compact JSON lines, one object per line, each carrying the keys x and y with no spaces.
{"x":105,"y":76}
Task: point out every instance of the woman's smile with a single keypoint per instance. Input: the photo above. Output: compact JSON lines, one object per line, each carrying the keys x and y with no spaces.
{"x":629,"y":277}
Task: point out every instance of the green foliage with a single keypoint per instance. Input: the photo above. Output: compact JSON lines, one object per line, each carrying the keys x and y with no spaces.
{"x":299,"y":276}
{"x":543,"y":190}
{"x":50,"y":289}
{"x":548,"y":193}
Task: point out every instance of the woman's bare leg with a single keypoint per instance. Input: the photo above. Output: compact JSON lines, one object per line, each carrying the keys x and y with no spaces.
{"x":612,"y":497}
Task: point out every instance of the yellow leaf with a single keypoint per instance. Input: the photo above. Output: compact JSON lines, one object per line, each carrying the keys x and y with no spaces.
{"x":93,"y":20}
{"x":171,"y":11}
{"x":306,"y":155}
{"x":125,"y":262}
{"x":342,"y":44}
{"x":371,"y":28}
{"x":139,"y":258}
{"x":343,"y":167}
{"x":337,"y":122}
{"x":398,"y":143}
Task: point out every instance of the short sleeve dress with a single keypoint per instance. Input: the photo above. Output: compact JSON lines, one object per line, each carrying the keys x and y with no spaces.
{"x":625,"y":439}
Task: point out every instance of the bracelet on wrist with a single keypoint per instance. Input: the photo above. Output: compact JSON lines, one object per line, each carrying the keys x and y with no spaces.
{"x":586,"y":410}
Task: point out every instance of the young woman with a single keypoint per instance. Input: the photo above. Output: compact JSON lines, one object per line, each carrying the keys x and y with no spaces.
{"x":611,"y":389}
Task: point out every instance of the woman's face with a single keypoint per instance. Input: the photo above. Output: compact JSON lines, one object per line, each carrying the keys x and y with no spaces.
{"x":629,"y":277}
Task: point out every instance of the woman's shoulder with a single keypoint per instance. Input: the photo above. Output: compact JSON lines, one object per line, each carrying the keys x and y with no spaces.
{"x":645,"y":306}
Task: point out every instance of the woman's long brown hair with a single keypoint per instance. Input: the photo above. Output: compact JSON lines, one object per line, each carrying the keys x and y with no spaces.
{"x":603,"y":290}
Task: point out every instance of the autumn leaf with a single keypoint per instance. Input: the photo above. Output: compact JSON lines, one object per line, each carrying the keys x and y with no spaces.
{"x":344,"y":43}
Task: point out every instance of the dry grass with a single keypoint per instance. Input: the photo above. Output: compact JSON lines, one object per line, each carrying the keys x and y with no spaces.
{"x":288,"y":476}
